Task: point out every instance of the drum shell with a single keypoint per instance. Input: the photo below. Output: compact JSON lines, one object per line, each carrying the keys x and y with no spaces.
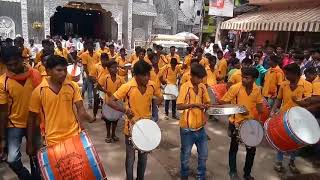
{"x":265,"y":113}
{"x":279,"y":135}
{"x":111,"y":114}
{"x":241,"y":139}
{"x":219,"y":90}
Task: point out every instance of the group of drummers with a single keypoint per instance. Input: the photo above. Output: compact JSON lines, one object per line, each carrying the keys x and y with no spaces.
{"x":45,"y":100}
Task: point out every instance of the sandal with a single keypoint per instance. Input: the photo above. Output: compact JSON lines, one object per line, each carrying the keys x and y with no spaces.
{"x":115,"y":138}
{"x":108,"y":140}
{"x":278,"y":167}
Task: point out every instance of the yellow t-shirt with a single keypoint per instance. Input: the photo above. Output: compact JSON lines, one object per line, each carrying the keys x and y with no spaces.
{"x":204,"y":62}
{"x":89,"y":60}
{"x":140,"y":104}
{"x":235,"y":77}
{"x":303,"y":90}
{"x":187,"y":60}
{"x":57,"y":109}
{"x":17,"y":96}
{"x":192,"y":118}
{"x":185,"y":77}
{"x":113,"y":56}
{"x":169,"y":75}
{"x":211,"y":78}
{"x":109,"y":85}
{"x":133,"y":57}
{"x":162,"y":61}
{"x":64,"y":53}
{"x":316,"y":87}
{"x":155,"y":77}
{"x":121,"y":62}
{"x":273,"y":78}
{"x":169,"y":57}
{"x":222,"y":68}
{"x":99,"y":71}
{"x":101,"y":51}
{"x":26,"y":53}
{"x":237,"y":95}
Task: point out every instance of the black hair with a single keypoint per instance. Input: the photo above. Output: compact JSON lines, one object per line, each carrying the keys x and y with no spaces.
{"x":234,"y":61}
{"x":207,"y":55}
{"x":199,"y":49}
{"x":104,"y":56}
{"x":149,"y":49}
{"x":123,"y":49}
{"x":311,"y":70}
{"x":233,"y":55}
{"x":54,"y":60}
{"x":275,"y":59}
{"x":258,"y":55}
{"x":137,"y":49}
{"x":11,"y":52}
{"x":219,"y":52}
{"x":215,"y":46}
{"x":198,"y":70}
{"x":298,"y":56}
{"x":250,"y":71}
{"x":189,"y":49}
{"x":141,"y":68}
{"x":247,"y":61}
{"x":9,"y":40}
{"x":194,"y":60}
{"x":172,"y":47}
{"x":212,"y":58}
{"x":159,"y":47}
{"x":111,"y":63}
{"x":111,"y":46}
{"x":174,"y":61}
{"x":293,"y":69}
{"x":141,"y":50}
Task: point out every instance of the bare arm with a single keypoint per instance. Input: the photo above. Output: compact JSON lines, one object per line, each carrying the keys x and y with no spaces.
{"x":82,"y":113}
{"x":32,"y":118}
{"x":3,"y":124}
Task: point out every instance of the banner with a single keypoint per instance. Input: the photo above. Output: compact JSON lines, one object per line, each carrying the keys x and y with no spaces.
{"x":223,"y":8}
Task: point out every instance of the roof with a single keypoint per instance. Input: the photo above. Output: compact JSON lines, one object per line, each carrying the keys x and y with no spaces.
{"x":144,"y":9}
{"x":296,"y":19}
{"x":245,"y":8}
{"x":161,"y":22}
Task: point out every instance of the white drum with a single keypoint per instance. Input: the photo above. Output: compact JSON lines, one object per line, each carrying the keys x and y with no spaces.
{"x":171,"y":92}
{"x":74,"y":70}
{"x":251,"y":133}
{"x":145,"y":135}
{"x":111,"y":114}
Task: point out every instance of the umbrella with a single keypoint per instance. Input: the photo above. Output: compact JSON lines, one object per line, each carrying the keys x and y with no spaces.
{"x":188,"y":36}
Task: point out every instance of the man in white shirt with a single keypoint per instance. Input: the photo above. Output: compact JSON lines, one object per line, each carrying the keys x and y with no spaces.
{"x":241,"y":53}
{"x":208,"y":48}
{"x":34,"y":50}
{"x":80,"y":44}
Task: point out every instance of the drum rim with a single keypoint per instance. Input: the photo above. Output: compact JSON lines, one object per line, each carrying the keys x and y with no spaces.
{"x":268,"y":138}
{"x":260,"y":127}
{"x":149,"y":121}
{"x":290,"y":126}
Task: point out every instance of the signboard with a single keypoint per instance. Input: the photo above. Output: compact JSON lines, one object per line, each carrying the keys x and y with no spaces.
{"x":223,"y":8}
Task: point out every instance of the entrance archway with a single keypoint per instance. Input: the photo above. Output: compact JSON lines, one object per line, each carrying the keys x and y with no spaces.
{"x":83,"y":19}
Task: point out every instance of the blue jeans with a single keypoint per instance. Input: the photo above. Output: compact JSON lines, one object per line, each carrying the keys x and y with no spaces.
{"x":188,"y":139}
{"x":14,"y":140}
{"x":88,"y":86}
{"x":155,"y":111}
{"x":279,"y":157}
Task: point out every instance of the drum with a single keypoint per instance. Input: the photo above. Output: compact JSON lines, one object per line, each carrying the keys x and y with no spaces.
{"x":265,"y":112}
{"x":171,"y":92}
{"x":75,"y":158}
{"x":111,"y":114}
{"x":251,"y":133}
{"x":74,"y":70}
{"x":218,"y":91}
{"x":226,"y":109}
{"x":292,"y":130}
{"x":145,"y":135}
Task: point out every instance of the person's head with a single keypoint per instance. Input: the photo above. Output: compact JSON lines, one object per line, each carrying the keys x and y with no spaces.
{"x":172,"y":50}
{"x":233,"y":55}
{"x":56,"y":67}
{"x":274,"y":61}
{"x":246,"y":62}
{"x":12,"y":58}
{"x":9,"y":42}
{"x":111,"y":48}
{"x":298,"y":58}
{"x":18,"y":41}
{"x":159,"y":49}
{"x":279,"y":50}
{"x":59,"y":44}
{"x":194,"y":60}
{"x":212,"y":61}
{"x":31,"y":42}
{"x":241,"y":47}
{"x":215,"y":48}
{"x":292,"y":72}
{"x":137,"y":49}
{"x":123,"y":52}
{"x":207,"y":55}
{"x":270,"y":50}
{"x":198,"y":72}
{"x":154,"y":60}
{"x":249,"y":75}
{"x":316,"y":55}
{"x":306,"y":54}
{"x":149,"y":52}
{"x":199,"y":52}
{"x":102,"y":44}
{"x":259,"y":49}
{"x":112,"y":66}
{"x":174,"y":62}
{"x":141,"y":71}
{"x":45,"y":44}
{"x":256,"y":57}
{"x":235,"y":63}
{"x":219,"y":54}
{"x":207,"y":44}
{"x":311,"y":73}
{"x":141,"y":53}
{"x":291,"y":52}
{"x":189,"y":50}
{"x":231,"y":48}
{"x":104,"y":59}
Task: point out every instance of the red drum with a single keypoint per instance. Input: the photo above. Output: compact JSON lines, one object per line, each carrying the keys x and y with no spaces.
{"x":219,"y":90}
{"x":265,"y":112}
{"x":292,"y":130}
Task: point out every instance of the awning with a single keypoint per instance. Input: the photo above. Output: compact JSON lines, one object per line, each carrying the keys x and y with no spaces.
{"x":144,"y":9}
{"x":299,"y":19}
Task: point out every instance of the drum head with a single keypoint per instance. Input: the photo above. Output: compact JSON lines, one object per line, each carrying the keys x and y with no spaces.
{"x":146,"y":135}
{"x":251,"y":133}
{"x":171,"y":92}
{"x":70,"y":68}
{"x":304,"y":125}
{"x":111,"y":114}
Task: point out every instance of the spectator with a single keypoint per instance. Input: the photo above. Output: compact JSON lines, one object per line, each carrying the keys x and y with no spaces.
{"x":241,"y":53}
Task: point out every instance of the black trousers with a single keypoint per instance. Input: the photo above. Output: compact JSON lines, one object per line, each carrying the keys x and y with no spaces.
{"x":173,"y":107}
{"x":251,"y":151}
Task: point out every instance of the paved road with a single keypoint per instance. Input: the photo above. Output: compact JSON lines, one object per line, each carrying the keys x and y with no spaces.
{"x":163,"y":163}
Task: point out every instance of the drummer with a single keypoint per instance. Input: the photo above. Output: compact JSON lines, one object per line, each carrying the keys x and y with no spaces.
{"x":138,"y":93}
{"x":292,"y":90}
{"x":192,"y":101}
{"x":187,"y":59}
{"x":168,"y":76}
{"x":222,"y":67}
{"x":211,"y":78}
{"x":155,"y":77}
{"x":122,"y":60}
{"x":236,"y":76}
{"x":110,"y":83}
{"x":173,"y":54}
{"x":245,"y":93}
